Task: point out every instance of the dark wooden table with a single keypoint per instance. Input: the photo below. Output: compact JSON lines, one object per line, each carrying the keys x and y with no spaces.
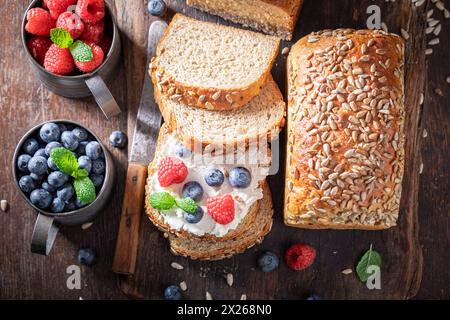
{"x":25,"y":102}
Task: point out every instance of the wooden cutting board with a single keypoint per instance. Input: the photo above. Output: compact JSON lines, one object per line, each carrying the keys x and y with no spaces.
{"x":399,"y":247}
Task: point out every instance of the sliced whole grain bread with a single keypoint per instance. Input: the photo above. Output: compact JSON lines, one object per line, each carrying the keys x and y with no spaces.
{"x":262,"y":117}
{"x":212,"y":250}
{"x":212,"y":66}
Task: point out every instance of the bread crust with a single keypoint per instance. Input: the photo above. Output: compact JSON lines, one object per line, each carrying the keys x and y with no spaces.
{"x":345,"y":148}
{"x":206,"y":98}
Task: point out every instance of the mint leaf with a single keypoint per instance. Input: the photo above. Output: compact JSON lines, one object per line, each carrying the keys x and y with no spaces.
{"x":187,"y":204}
{"x":64,"y":160}
{"x":85,"y":190}
{"x":61,"y":37}
{"x":81,"y":51}
{"x":162,"y":200}
{"x":80,"y":174}
{"x":370,"y":258}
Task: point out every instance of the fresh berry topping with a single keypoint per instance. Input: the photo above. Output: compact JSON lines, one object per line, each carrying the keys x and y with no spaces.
{"x":98,"y":166}
{"x":92,"y":32}
{"x":57,"y":205}
{"x":46,"y":186}
{"x":50,"y":146}
{"x":193,"y":190}
{"x":300,"y":256}
{"x":93,"y":150}
{"x":30,"y":146}
{"x":87,"y":256}
{"x":37,"y":165}
{"x":84,"y":162}
{"x":171,"y":170}
{"x":118,"y":139}
{"x":214,"y":178}
{"x":57,"y":179}
{"x":240,"y":177}
{"x":81,"y":150}
{"x":22,"y":162}
{"x":41,"y":198}
{"x":173,"y":292}
{"x":40,"y":152}
{"x":313,"y":297}
{"x":26,"y":184}
{"x":72,"y":23}
{"x":70,"y":206}
{"x":181,"y":151}
{"x":97,"y":179}
{"x":51,"y":165}
{"x":49,"y":132}
{"x":37,"y":177}
{"x":157,"y":7}
{"x":57,"y":7}
{"x":66,"y":192}
{"x":97,"y":59}
{"x":44,"y":4}
{"x":105,"y":43}
{"x":80,"y":133}
{"x":268,"y":262}
{"x":91,"y":11}
{"x":194,"y":217}
{"x":79,"y":203}
{"x":38,"y":46}
{"x":69,"y":140}
{"x":221,"y":208}
{"x":58,"y":60}
{"x":39,"y":22}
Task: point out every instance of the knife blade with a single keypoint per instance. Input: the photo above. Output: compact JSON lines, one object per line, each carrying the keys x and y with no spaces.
{"x":148,"y":123}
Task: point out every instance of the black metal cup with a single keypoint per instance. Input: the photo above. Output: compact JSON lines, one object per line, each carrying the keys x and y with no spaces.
{"x":46,"y":226}
{"x":84,"y":85}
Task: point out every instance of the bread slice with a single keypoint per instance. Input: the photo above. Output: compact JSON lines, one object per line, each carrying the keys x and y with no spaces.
{"x":262,"y":117}
{"x":156,"y":217}
{"x":212,"y":66}
{"x":212,"y":250}
{"x":275,"y":17}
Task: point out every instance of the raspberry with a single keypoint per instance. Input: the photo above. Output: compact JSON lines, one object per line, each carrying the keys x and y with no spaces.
{"x":171,"y":170}
{"x":300,"y":256}
{"x":39,"y":22}
{"x":44,"y":4}
{"x":72,"y":23}
{"x":96,"y":61}
{"x":58,"y":60}
{"x":92,"y":32}
{"x":105,"y":43}
{"x":91,"y":11}
{"x":221,"y":208}
{"x":38,"y":46}
{"x":57,"y":7}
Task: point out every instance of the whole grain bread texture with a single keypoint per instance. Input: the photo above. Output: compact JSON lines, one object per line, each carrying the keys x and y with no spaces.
{"x":274,"y":17}
{"x":345,"y":132}
{"x":211,"y":66}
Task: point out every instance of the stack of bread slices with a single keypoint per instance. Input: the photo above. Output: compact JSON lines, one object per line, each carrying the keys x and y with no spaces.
{"x":221,"y":108}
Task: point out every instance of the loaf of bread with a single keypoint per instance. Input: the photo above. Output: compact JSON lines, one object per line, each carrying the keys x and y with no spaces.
{"x":275,"y":17}
{"x":212,"y":66}
{"x":345,"y":135}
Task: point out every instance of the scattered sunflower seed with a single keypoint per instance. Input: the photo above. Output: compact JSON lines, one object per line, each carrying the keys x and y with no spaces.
{"x":448,"y":79}
{"x":4,"y":205}
{"x":421,"y":168}
{"x":183,"y":285}
{"x":244,"y":297}
{"x":405,"y":34}
{"x":285,"y":51}
{"x":421,"y":99}
{"x":230,"y":279}
{"x":347,"y":271}
{"x":208,"y":296}
{"x":166,"y":235}
{"x":439,"y":92}
{"x":86,"y":225}
{"x":425,"y":133}
{"x":428,"y":51}
{"x":176,"y":266}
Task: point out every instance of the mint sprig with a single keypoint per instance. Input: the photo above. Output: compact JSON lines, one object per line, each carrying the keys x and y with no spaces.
{"x":79,"y":50}
{"x":370,"y":258}
{"x":65,"y":160}
{"x":165,"y":201}
{"x":61,"y":37}
{"x":187,"y":204}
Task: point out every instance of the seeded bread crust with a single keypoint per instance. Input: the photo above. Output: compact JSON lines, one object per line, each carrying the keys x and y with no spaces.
{"x":205,"y":97}
{"x":244,"y":13}
{"x":211,"y":250}
{"x":156,"y":217}
{"x":345,"y":149}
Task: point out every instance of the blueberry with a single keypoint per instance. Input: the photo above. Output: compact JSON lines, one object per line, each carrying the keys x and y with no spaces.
{"x":57,"y":205}
{"x":26,"y":184}
{"x":181,"y":151}
{"x":22,"y":162}
{"x":70,"y":206}
{"x":30,"y":146}
{"x":51,"y":164}
{"x":172,"y":292}
{"x":65,"y":192}
{"x":80,"y":133}
{"x":97,"y":179}
{"x":214,"y":178}
{"x":87,"y":256}
{"x":41,"y":198}
{"x":40,"y":152}
{"x":194,"y":217}
{"x":50,"y":146}
{"x":49,"y":132}
{"x":268,"y":261}
{"x":240,"y":177}
{"x":98,"y":166}
{"x":118,"y":139}
{"x":193,"y":189}
{"x":57,"y":179}
{"x":37,"y":165}
{"x":36,"y":177}
{"x":93,"y":150}
{"x":69,"y":140}
{"x":47,"y":186}
{"x":79,"y":203}
{"x":313,"y":297}
{"x":62,"y":127}
{"x":84,"y":162}
{"x":81,"y":150}
{"x":157,"y":7}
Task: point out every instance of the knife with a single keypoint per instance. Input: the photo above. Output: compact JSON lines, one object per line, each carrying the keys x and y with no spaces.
{"x":148,"y":122}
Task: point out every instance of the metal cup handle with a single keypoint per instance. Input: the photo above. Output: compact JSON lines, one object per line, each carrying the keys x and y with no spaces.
{"x":44,"y":235}
{"x":103,"y":96}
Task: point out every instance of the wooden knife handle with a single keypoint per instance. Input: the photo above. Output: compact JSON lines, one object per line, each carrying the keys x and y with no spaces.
{"x":130,"y":218}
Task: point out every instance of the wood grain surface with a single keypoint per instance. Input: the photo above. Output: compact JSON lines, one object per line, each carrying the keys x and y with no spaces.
{"x":25,"y":102}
